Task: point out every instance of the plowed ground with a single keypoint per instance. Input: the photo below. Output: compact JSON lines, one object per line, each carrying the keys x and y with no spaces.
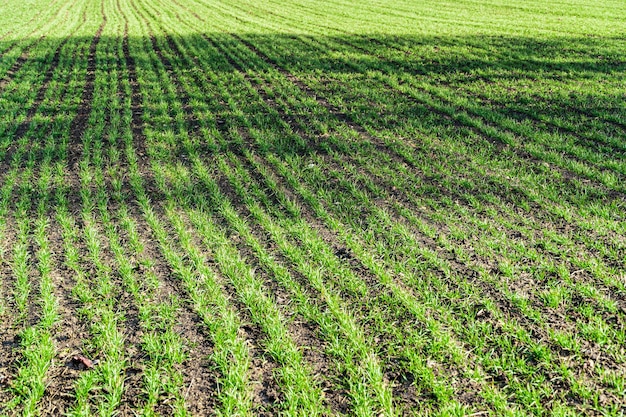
{"x":308,"y":208}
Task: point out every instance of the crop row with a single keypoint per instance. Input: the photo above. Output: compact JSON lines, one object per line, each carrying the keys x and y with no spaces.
{"x":241,"y":207}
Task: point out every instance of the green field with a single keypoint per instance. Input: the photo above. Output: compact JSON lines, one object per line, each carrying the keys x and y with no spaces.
{"x":306,"y":208}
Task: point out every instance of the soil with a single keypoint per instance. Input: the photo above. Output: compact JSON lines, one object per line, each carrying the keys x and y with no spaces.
{"x":497,"y":309}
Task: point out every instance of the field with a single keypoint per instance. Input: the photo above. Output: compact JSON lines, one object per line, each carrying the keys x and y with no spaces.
{"x":305,"y":208}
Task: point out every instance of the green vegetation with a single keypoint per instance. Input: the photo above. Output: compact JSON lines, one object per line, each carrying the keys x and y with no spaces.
{"x":311,"y":208}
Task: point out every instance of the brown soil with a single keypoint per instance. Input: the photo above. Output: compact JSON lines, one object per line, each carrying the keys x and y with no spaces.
{"x":200,"y":378}
{"x":23,"y":128}
{"x":298,"y":123}
{"x":69,"y":336}
{"x":266,"y":392}
{"x":305,"y":334}
{"x":547,"y":313}
{"x":80,"y":122}
{"x":9,"y":340}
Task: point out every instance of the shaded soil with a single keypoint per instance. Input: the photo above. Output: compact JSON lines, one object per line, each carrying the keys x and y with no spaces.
{"x":473,"y":290}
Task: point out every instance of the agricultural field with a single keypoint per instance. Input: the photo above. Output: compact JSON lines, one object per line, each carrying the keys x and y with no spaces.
{"x":306,"y":208}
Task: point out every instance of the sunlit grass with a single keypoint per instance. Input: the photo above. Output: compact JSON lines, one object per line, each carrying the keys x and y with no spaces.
{"x":400,"y":208}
